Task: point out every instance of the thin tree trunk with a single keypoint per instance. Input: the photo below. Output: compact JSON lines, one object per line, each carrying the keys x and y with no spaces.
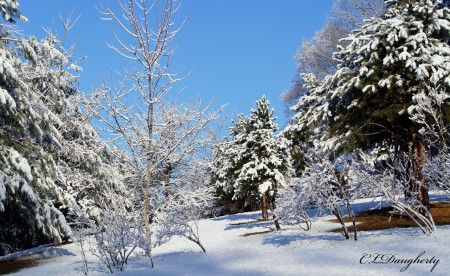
{"x":351,"y":214}
{"x":274,"y":217}
{"x":167,"y":175}
{"x":146,"y":213}
{"x":265,"y":213}
{"x":353,"y":218}
{"x":418,"y":182}
{"x":341,"y":221}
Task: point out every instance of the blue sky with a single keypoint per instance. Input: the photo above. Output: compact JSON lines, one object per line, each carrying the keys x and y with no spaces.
{"x":234,"y":51}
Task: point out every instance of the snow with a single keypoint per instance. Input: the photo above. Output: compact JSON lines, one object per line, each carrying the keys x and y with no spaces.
{"x":6,"y":99}
{"x":20,"y":164}
{"x":290,"y":251}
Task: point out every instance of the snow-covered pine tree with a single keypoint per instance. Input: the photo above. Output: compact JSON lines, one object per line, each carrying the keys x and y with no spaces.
{"x":30,"y":198}
{"x":88,"y":163}
{"x":38,"y":118}
{"x":255,"y":162}
{"x":10,"y":11}
{"x":371,"y":97}
{"x":225,"y":167}
{"x":315,"y":55}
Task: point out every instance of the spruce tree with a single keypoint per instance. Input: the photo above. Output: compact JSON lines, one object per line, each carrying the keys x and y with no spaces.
{"x":255,"y":163}
{"x":370,"y":100}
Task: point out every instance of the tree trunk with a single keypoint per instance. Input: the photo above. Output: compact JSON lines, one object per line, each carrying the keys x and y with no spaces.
{"x":147,"y":202}
{"x":343,"y":190}
{"x":418,"y":183}
{"x":265,"y":214}
{"x":341,"y":221}
{"x":167,"y":175}
{"x":145,"y":211}
{"x":274,"y":217}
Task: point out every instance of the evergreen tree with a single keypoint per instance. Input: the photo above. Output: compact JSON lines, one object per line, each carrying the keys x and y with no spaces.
{"x":51,"y":158}
{"x":255,"y":163}
{"x":371,"y":98}
{"x":10,"y":10}
{"x":226,"y":164}
{"x":31,"y":198}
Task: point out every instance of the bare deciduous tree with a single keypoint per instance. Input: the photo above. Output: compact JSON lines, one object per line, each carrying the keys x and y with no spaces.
{"x":159,"y":135}
{"x":144,"y":36}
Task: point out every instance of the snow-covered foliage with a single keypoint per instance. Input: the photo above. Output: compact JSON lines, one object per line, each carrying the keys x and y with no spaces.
{"x":315,"y":55}
{"x":430,"y":112}
{"x":181,"y":212}
{"x":437,"y":171}
{"x":178,"y":164}
{"x":388,"y":176}
{"x":118,"y":232}
{"x":10,"y":10}
{"x":323,"y":186}
{"x":385,"y":65}
{"x":30,"y":178}
{"x":330,"y":186}
{"x":29,"y":200}
{"x":391,"y":88}
{"x":162,"y":139}
{"x":51,"y":157}
{"x":183,"y":152}
{"x":183,"y":145}
{"x":254,"y":163}
{"x":87,"y":162}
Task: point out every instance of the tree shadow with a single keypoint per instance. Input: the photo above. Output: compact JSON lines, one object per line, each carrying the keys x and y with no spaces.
{"x":250,"y":225}
{"x":238,"y":217}
{"x":286,"y":239}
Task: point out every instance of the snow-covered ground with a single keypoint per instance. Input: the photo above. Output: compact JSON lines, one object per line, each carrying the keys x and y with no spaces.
{"x":290,"y":251}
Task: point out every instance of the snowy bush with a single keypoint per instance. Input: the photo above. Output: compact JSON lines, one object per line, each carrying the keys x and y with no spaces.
{"x":324,"y":186}
{"x":117,"y":234}
{"x":390,"y":179}
{"x":437,"y":171}
{"x":179,"y":215}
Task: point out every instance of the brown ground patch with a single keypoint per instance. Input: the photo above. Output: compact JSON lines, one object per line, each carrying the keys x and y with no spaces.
{"x":256,"y":233}
{"x":247,"y":222}
{"x":11,"y":266}
{"x":20,"y":263}
{"x":379,"y":219}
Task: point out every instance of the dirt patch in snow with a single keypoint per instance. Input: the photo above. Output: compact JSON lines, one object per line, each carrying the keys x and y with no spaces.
{"x":29,"y":258}
{"x":385,"y":218}
{"x":256,"y":233}
{"x":12,"y":266}
{"x":247,"y":222}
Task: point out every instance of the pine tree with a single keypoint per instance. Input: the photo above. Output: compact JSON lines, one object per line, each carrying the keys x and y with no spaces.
{"x":10,"y":11}
{"x":32,"y":200}
{"x":256,"y":162}
{"x":370,"y":99}
{"x":51,"y":158}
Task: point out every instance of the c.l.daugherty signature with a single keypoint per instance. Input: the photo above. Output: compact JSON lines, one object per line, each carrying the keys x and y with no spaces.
{"x":380,"y":258}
